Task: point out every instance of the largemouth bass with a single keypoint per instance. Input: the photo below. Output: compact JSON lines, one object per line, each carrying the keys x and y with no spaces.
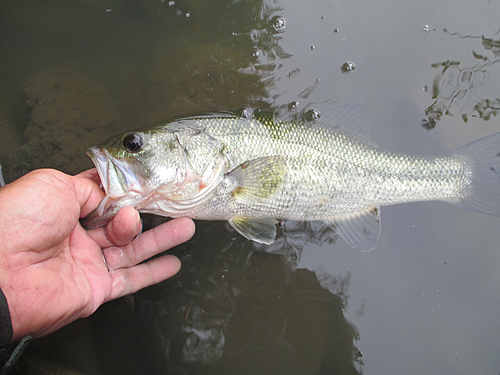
{"x":254,"y":171}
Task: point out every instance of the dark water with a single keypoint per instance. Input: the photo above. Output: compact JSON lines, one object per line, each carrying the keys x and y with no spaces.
{"x":426,"y":301}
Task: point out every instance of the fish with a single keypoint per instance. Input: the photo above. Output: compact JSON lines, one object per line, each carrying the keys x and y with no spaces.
{"x":257,"y":170}
{"x":2,"y":181}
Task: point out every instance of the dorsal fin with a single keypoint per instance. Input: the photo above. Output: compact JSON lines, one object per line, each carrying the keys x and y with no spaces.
{"x":352,"y":117}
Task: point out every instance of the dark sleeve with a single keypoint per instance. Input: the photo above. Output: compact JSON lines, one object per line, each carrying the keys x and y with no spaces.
{"x":5,"y":322}
{"x":9,"y":353}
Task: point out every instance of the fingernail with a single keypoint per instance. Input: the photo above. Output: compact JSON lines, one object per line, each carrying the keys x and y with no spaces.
{"x":139,"y":228}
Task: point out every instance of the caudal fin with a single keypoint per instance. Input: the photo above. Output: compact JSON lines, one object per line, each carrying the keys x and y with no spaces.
{"x":483,"y":194}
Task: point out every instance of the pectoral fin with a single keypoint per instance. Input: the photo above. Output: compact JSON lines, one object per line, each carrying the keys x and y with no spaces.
{"x":361,"y":231}
{"x":262,"y":230}
{"x":260,"y":178}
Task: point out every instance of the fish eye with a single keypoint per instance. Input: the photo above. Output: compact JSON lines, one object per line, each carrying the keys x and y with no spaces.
{"x":133,"y":142}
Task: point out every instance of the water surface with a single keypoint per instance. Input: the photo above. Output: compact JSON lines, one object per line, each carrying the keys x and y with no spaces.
{"x":426,"y":301}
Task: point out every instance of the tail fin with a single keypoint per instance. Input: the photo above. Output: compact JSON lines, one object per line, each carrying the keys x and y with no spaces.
{"x":483,"y":195}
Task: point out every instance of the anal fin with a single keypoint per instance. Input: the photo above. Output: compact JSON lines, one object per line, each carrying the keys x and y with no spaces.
{"x":361,"y":231}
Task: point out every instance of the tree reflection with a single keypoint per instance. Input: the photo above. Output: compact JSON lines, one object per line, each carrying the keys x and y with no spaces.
{"x":465,"y":87}
{"x":235,"y":308}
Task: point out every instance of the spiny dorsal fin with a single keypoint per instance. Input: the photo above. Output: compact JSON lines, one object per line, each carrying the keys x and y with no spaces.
{"x":352,"y":117}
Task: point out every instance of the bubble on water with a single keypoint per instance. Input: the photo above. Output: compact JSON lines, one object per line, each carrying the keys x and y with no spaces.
{"x":315,"y":114}
{"x":347,"y":67}
{"x":108,"y":10}
{"x":312,"y":115}
{"x":293,"y":105}
{"x":188,"y":14}
{"x":246,"y":113}
{"x":428,"y":29}
{"x":171,"y":3}
{"x":313,"y":47}
{"x":336,"y":31}
{"x":256,"y":54}
{"x":279,"y":24}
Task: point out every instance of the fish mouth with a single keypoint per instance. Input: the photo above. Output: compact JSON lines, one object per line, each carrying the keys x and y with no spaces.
{"x":118,"y":176}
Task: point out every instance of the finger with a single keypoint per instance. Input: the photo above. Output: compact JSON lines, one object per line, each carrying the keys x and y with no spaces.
{"x":129,"y":280}
{"x":124,"y":227}
{"x":90,"y":174}
{"x":150,"y":243}
{"x":88,"y":192}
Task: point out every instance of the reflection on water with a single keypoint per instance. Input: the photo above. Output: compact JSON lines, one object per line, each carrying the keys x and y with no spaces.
{"x":224,"y":61}
{"x":208,"y":81}
{"x":465,"y":88}
{"x":232,"y":309}
{"x":237,"y":309}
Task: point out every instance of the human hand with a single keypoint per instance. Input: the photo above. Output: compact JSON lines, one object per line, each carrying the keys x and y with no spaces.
{"x":52,"y":270}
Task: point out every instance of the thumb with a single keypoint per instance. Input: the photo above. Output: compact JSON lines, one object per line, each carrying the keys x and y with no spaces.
{"x":124,"y":227}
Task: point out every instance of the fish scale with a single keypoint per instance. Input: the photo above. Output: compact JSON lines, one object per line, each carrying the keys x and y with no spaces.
{"x":342,"y":169}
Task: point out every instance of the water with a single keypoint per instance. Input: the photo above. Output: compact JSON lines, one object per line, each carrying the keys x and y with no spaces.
{"x":425,"y":301}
